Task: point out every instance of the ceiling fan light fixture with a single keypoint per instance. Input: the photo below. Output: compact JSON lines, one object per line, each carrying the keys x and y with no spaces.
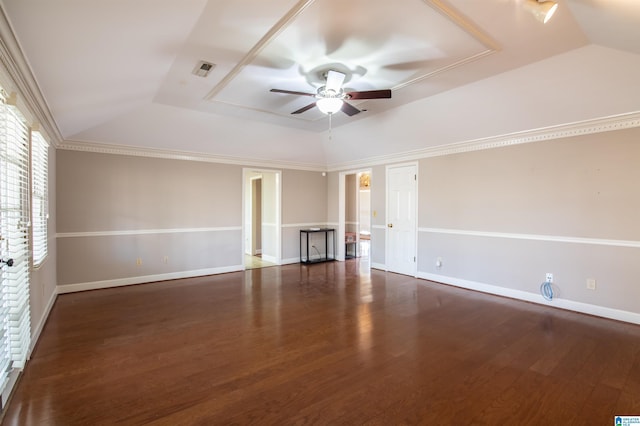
{"x":541,"y":10}
{"x":329,"y":105}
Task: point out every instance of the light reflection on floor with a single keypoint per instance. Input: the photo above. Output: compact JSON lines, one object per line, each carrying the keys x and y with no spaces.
{"x":255,"y":262}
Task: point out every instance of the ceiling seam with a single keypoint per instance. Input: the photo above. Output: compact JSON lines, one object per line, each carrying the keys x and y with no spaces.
{"x":257,"y":48}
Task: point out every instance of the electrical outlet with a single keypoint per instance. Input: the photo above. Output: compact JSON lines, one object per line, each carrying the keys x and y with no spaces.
{"x":549,"y":277}
{"x":139,"y":261}
{"x":591,"y":283}
{"x":165,"y":259}
{"x":439,"y":262}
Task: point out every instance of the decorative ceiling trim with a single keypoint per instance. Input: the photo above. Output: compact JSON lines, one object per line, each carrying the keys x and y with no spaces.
{"x":76,"y":145}
{"x":255,"y":50}
{"x":19,"y":71}
{"x":586,"y":127}
{"x":463,"y":22}
{"x":449,"y":67}
{"x":442,"y":7}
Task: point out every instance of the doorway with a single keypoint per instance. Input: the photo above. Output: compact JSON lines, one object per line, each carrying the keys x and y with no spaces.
{"x":261,"y":224}
{"x":364,"y":213}
{"x":355,"y":215}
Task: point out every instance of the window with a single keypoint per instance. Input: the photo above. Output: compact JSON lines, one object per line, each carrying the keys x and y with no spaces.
{"x":39,"y":199}
{"x":15,"y":333}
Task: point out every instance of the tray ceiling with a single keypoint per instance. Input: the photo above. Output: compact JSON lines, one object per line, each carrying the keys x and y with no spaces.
{"x":121,"y":72}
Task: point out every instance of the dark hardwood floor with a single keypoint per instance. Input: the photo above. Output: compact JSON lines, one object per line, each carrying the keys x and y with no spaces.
{"x":323,"y":344}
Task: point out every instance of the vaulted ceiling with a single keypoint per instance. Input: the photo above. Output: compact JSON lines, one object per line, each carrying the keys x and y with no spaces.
{"x":120,"y":72}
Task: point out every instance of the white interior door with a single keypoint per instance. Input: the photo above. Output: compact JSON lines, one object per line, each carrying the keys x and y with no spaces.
{"x":401,"y":219}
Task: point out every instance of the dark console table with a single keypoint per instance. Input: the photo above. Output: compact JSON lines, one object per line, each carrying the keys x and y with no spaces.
{"x":329,"y":247}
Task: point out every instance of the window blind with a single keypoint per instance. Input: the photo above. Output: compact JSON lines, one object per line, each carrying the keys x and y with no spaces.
{"x":15,"y":334}
{"x":39,"y":198}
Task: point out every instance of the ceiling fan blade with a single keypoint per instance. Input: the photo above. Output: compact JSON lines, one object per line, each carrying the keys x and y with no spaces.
{"x":349,"y":109}
{"x":370,"y":94}
{"x":291,"y":92}
{"x":303,"y":109}
{"x":334,"y":81}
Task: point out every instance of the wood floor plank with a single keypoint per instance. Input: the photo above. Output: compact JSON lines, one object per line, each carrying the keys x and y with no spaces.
{"x":629,"y":402}
{"x":322,"y":344}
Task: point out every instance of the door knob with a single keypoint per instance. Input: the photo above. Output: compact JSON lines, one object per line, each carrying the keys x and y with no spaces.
{"x":390,"y":225}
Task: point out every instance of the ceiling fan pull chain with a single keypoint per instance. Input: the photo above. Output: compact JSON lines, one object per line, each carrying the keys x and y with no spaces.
{"x":330,"y":133}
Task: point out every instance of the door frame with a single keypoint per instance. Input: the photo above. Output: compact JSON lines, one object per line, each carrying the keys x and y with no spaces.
{"x":387,"y":248}
{"x":246,"y":179}
{"x":251,"y":211}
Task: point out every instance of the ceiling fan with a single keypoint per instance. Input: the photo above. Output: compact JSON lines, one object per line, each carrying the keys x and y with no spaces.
{"x":332,"y":97}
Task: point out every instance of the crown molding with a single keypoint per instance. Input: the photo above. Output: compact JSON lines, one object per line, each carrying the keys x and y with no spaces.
{"x":579,"y":128}
{"x":19,"y":71}
{"x":84,"y":146}
{"x":586,"y":127}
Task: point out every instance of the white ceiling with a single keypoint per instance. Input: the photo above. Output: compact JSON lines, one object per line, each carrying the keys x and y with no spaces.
{"x":119,"y":72}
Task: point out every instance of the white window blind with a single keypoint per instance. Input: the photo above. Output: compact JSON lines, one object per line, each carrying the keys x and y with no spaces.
{"x":39,"y":199}
{"x":15,"y":334}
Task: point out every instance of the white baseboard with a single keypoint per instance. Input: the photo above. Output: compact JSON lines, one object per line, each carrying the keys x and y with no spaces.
{"x":271,"y":259}
{"x":290,"y":261}
{"x":8,"y":388}
{"x":570,"y":305}
{"x":379,"y":266}
{"x":95,"y":285}
{"x":38,"y":330}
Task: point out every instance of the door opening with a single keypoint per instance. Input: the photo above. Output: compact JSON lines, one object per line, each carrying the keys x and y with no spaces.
{"x":261,"y":225}
{"x":354,"y":227}
{"x":364,"y":214}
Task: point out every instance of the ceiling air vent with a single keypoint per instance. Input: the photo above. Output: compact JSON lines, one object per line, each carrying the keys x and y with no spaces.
{"x":203,"y":68}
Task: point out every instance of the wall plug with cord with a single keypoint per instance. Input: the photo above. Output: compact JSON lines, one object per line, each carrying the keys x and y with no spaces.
{"x":546,"y":288}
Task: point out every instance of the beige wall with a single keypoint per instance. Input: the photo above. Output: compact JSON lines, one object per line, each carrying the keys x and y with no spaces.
{"x":173,"y":216}
{"x":104,"y":192}
{"x":333,"y":197}
{"x":582,"y":187}
{"x":177,"y":217}
{"x":500,"y":219}
{"x":351,"y":203}
{"x":519,"y":212}
{"x":304,"y":205}
{"x":304,"y":197}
